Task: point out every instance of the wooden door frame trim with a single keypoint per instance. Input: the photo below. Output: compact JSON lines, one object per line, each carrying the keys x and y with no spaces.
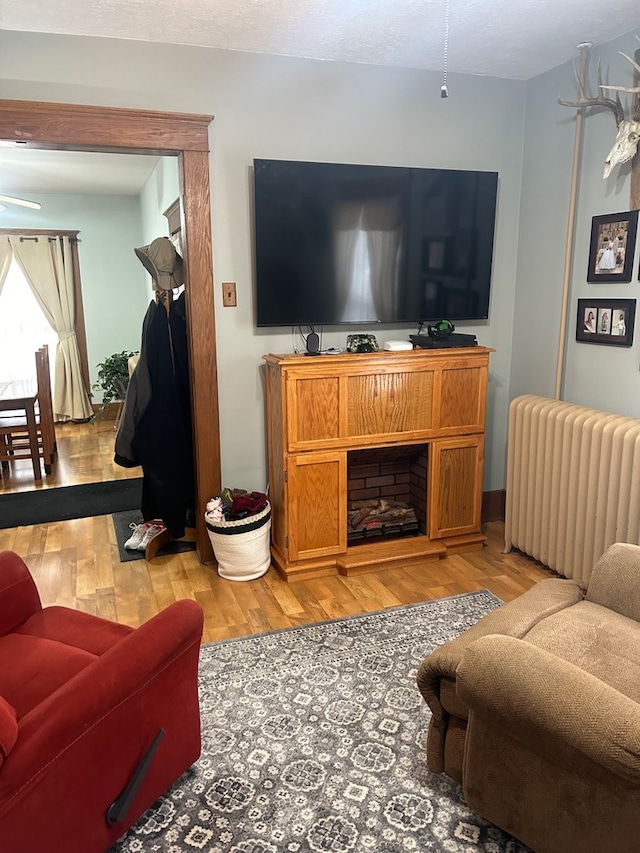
{"x":79,"y":127}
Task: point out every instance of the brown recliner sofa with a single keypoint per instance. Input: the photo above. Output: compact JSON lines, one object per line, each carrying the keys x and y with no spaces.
{"x":536,"y":711}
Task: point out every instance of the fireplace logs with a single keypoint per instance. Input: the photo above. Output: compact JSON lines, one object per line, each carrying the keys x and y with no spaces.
{"x":380,"y":517}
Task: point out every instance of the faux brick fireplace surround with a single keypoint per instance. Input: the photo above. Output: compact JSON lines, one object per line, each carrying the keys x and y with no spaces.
{"x":391,"y":473}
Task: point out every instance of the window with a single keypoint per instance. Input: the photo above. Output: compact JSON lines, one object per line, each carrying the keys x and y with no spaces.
{"x":23,"y":328}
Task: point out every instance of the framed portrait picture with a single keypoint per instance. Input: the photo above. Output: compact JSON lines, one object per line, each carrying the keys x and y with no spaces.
{"x":613,"y":242}
{"x":606,"y":321}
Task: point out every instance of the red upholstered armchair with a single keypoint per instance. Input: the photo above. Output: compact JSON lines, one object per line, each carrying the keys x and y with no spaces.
{"x":96,"y":719}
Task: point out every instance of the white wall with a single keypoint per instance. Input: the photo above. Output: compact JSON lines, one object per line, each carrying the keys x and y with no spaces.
{"x":159,"y":193}
{"x":600,"y":376}
{"x":114,"y":282}
{"x":323,"y":111}
{"x":296,"y":109}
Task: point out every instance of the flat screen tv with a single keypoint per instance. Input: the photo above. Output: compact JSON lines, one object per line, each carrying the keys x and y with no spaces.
{"x":338,"y":243}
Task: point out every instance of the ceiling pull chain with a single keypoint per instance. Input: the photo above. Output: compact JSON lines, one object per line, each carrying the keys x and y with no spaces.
{"x":444,"y":92}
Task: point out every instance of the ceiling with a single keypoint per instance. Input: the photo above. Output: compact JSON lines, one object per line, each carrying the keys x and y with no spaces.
{"x":515,"y":39}
{"x":30,"y":170}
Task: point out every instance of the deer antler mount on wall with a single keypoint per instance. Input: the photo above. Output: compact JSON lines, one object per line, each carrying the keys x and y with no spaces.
{"x":626,"y":144}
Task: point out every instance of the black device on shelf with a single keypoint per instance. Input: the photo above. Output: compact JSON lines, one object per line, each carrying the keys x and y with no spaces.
{"x":340,"y":243}
{"x":453,"y":340}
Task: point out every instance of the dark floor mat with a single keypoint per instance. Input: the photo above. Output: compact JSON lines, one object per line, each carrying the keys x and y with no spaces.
{"x":122,"y":522}
{"x":43,"y":506}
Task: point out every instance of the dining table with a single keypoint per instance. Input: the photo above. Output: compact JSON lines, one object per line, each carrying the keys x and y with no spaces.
{"x":18,"y":396}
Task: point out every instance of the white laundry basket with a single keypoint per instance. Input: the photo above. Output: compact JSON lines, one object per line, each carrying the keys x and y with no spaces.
{"x":242,"y":547}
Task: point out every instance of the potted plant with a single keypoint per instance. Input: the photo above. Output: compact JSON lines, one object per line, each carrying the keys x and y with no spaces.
{"x":113,"y":377}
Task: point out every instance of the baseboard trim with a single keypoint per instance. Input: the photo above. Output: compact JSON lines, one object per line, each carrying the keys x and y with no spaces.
{"x":493,"y":505}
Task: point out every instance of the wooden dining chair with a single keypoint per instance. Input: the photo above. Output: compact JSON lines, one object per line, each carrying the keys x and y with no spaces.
{"x":15,"y":441}
{"x":45,"y":405}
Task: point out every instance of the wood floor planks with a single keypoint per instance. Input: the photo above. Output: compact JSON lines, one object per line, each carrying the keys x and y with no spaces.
{"x":85,"y":455}
{"x":76,"y":564}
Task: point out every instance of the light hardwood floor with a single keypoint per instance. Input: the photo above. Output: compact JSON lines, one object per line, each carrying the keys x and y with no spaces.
{"x":85,"y":455}
{"x":76,"y":564}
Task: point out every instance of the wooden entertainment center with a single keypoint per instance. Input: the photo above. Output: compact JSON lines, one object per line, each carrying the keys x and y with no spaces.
{"x":322,"y":409}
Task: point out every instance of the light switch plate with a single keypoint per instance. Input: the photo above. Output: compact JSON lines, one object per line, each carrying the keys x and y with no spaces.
{"x":229,"y":294}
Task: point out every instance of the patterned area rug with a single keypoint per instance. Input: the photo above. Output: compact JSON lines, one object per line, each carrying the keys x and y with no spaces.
{"x":314,"y":740}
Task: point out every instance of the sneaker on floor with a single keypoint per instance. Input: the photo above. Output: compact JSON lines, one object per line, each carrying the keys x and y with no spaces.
{"x":150,"y":530}
{"x":136,"y":537}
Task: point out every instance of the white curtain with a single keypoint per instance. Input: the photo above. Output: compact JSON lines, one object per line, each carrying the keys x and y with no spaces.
{"x":5,"y":259}
{"x":353,"y":287}
{"x":23,"y":328}
{"x":47,"y":264}
{"x":382,"y":222}
{"x":368,"y":240}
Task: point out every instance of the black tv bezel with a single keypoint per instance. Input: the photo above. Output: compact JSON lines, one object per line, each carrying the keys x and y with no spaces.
{"x":309,"y":323}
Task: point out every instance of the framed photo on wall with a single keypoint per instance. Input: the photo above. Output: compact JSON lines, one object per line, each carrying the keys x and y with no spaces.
{"x":606,"y":321}
{"x":613,"y":242}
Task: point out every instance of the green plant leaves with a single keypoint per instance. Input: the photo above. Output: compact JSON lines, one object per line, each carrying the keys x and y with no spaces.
{"x":113,"y":376}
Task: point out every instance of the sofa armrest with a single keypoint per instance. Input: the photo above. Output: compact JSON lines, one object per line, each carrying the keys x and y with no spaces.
{"x":550,"y":704}
{"x":19,"y":596}
{"x":143,"y":683}
{"x":514,"y":619}
{"x":615,"y":580}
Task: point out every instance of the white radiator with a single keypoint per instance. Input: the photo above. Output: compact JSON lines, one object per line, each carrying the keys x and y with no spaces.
{"x":573,"y":483}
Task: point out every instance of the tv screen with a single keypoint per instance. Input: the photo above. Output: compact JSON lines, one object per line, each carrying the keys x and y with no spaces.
{"x":338,"y":243}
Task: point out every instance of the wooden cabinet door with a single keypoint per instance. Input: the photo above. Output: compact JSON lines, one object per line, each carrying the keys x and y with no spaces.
{"x":313,"y":411}
{"x":455,"y":486}
{"x":463,"y":397}
{"x":317,"y":504}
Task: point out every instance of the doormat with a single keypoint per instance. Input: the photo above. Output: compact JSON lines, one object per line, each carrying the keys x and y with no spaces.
{"x":61,"y":504}
{"x":122,"y":522}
